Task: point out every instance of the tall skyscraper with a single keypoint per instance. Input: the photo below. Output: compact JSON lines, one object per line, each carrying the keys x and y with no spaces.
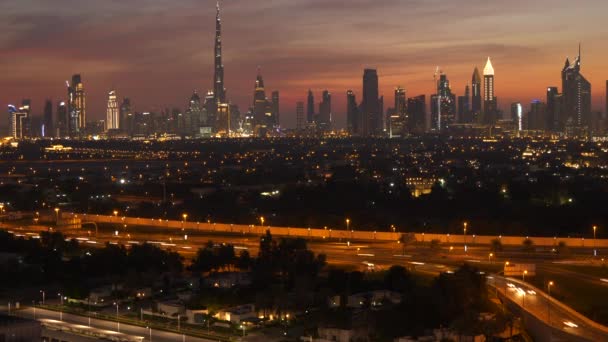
{"x":416,"y":107}
{"x":443,"y":105}
{"x":194,"y":113}
{"x":259,"y":101}
{"x":63,"y":119}
{"x":112,"y":114}
{"x":536,"y":117}
{"x":490,"y":109}
{"x":47,"y":130}
{"x":371,"y":108}
{"x":553,"y":110}
{"x":218,"y":80}
{"x":476,"y":97}
{"x":396,"y":117}
{"x":353,"y":122}
{"x":464,"y":109}
{"x":310,"y":113}
{"x":275,"y":109}
{"x":18,"y":119}
{"x":576,"y":95}
{"x":76,"y":106}
{"x":324,"y":120}
{"x":517,"y":115}
{"x":300,"y":116}
{"x":127,"y":118}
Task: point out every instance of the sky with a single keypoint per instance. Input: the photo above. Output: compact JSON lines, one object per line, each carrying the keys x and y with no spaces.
{"x":157,"y":52}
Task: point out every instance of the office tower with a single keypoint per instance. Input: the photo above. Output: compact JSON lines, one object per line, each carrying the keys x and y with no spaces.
{"x":18,"y":119}
{"x":259,"y":101}
{"x":324,"y":118}
{"x":443,"y":105}
{"x":310,"y":114}
{"x":63,"y":119}
{"x":576,"y":95}
{"x":300,"y":116}
{"x":517,"y":115}
{"x":476,"y":97}
{"x":112,"y":117}
{"x":553,"y":109}
{"x":396,"y":117}
{"x":127,"y":118}
{"x":207,"y":120}
{"x":48,"y":130}
{"x":76,"y":106}
{"x":490,"y":109}
{"x":606,"y":109}
{"x":352,"y":114}
{"x":218,"y":80}
{"x":401,"y":103}
{"x":371,"y":108}
{"x":275,"y":109}
{"x":416,"y":107}
{"x":194,"y":112}
{"x":224,"y":117}
{"x":536,"y":117}
{"x":464,"y":106}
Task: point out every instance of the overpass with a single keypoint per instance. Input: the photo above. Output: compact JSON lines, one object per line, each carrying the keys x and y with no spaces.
{"x":329,"y":233}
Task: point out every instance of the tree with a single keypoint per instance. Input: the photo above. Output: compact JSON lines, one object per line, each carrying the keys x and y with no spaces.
{"x":399,"y":279}
{"x":243,"y":262}
{"x":528,"y":245}
{"x":496,"y":245}
{"x":406,"y":239}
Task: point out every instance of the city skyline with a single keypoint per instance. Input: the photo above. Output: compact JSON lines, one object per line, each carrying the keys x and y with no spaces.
{"x":289,"y":60}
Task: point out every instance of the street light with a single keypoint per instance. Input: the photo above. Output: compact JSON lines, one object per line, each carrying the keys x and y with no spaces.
{"x":549,"y":284}
{"x":523,"y":275}
{"x":56,"y":215}
{"x":490,"y":257}
{"x":262,"y":221}
{"x":594,"y":242}
{"x":117,"y":322}
{"x":464,"y":235}
{"x":43,"y":295}
{"x":61,"y":307}
{"x":184,"y":217}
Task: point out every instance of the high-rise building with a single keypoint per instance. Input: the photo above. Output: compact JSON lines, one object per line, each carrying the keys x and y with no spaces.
{"x":416,"y":107}
{"x":127,"y":118}
{"x":371,"y":108}
{"x":218,"y":79}
{"x":18,"y":119}
{"x":476,"y":97}
{"x":606,"y":109}
{"x":63,"y":119}
{"x":324,"y":119}
{"x":576,"y":95}
{"x":76,"y":106}
{"x":275,"y":109}
{"x":195,"y":112}
{"x":310,"y":113}
{"x":443,"y":105}
{"x":112,"y":113}
{"x":553,"y":110}
{"x":47,"y":130}
{"x":396,"y":117}
{"x":300,"y":116}
{"x":353,"y":122}
{"x":464,"y":106}
{"x":259,"y":101}
{"x":490,"y":108}
{"x":517,"y":115}
{"x":536,"y":117}
{"x":224,"y":117}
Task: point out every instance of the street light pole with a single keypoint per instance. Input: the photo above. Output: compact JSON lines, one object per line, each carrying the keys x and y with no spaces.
{"x":464,"y":235}
{"x":549,"y":302}
{"x":594,"y":242}
{"x":117,"y":322}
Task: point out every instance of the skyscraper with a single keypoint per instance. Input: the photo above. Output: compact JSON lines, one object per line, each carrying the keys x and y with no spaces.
{"x":576,"y":95}
{"x":275,"y":109}
{"x":464,"y":110}
{"x":490,"y":109}
{"x":517,"y":115}
{"x":63,"y":119}
{"x":127,"y":119}
{"x":259,"y":101}
{"x":416,"y":107}
{"x":396,"y":117}
{"x":76,"y":106}
{"x":324,"y":121}
{"x":310,"y":113}
{"x":47,"y":130}
{"x":476,"y":97}
{"x":536,"y":117}
{"x":352,"y":114}
{"x":112,"y":117}
{"x":18,"y":119}
{"x":218,"y":80}
{"x":371,"y":109}
{"x":553,"y":110}
{"x":300,"y":116}
{"x":194,"y":113}
{"x":443,"y":105}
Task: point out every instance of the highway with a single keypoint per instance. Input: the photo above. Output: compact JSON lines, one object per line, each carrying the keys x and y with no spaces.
{"x":547,"y":309}
{"x":157,"y":336}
